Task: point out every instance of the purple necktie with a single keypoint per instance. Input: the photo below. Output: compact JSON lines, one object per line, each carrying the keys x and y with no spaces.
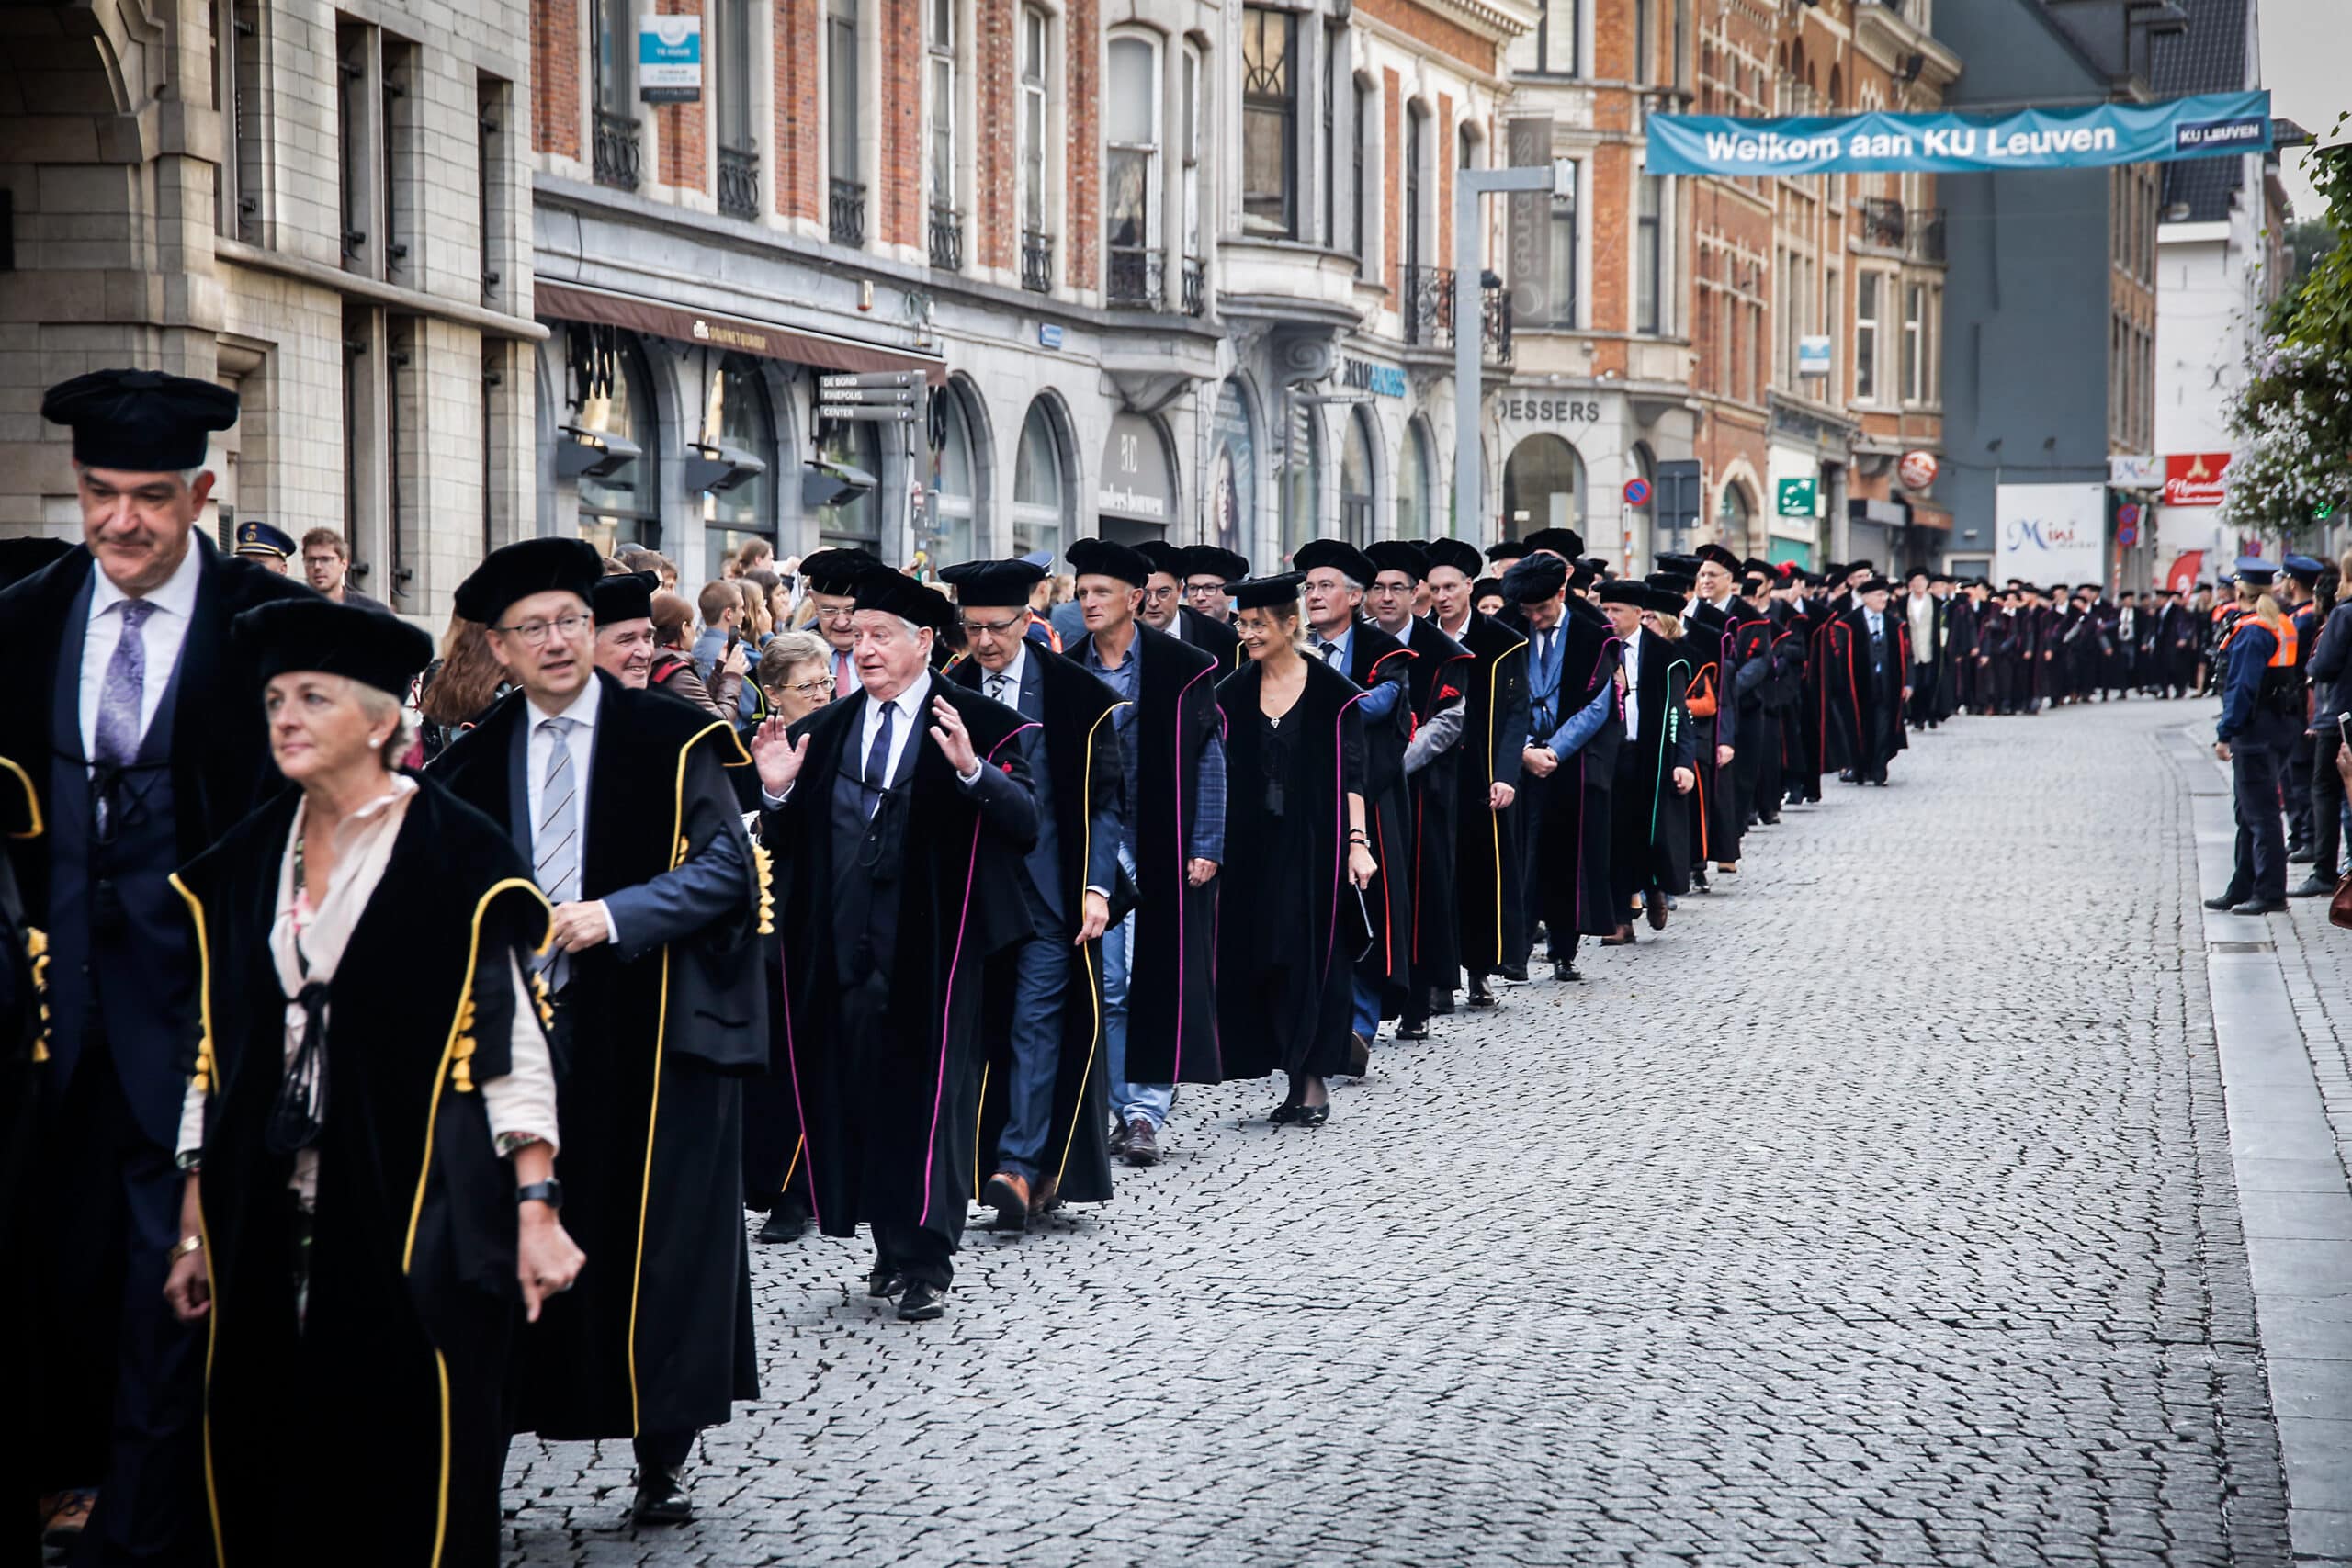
{"x":120,"y":699}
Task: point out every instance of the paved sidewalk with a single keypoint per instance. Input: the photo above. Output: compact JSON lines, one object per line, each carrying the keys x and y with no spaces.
{"x":1881,"y":1212}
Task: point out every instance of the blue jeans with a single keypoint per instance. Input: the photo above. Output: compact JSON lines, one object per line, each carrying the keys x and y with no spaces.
{"x":1041,"y":978}
{"x":1128,"y":1100}
{"x":1366,"y":997}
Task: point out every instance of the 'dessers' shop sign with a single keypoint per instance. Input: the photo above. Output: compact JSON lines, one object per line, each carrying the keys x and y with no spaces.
{"x":2209,"y":125}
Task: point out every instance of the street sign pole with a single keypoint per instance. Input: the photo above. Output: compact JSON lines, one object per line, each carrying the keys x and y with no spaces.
{"x":1469,"y":330}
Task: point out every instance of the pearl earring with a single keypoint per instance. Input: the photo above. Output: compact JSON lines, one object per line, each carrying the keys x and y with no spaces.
{"x":375,"y":742}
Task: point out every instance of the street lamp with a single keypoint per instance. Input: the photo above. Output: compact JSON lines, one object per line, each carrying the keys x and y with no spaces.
{"x":1469,"y":322}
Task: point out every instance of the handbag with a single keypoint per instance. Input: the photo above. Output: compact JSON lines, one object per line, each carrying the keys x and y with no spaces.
{"x":2339,"y":904}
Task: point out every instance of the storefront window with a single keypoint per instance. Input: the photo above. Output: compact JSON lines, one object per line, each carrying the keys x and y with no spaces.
{"x":1302,"y":479}
{"x":858,"y":520}
{"x":1040,"y":499}
{"x":1355,"y":480}
{"x":1413,"y":483}
{"x":1542,"y":486}
{"x":1233,"y":482}
{"x":952,"y":488}
{"x":623,"y":507}
{"x":737,"y":417}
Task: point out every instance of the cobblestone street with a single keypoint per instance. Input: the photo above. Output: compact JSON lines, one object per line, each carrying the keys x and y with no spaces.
{"x":1880,"y":1211}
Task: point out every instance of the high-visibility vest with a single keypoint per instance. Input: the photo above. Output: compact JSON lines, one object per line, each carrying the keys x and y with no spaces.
{"x":1052,"y":637}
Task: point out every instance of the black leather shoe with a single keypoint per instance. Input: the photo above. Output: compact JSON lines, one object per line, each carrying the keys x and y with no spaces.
{"x":1516,"y":973}
{"x":1565,"y":973}
{"x":1359,"y":1054}
{"x":1413,"y":1029}
{"x":1118,"y":1144}
{"x":2226,"y":901}
{"x":923,"y":1304}
{"x":885,"y":1282}
{"x":1654,"y":907}
{"x":2311,"y":886}
{"x":1441,"y":1004}
{"x":1286,"y":1113}
{"x":2304,"y":855}
{"x":1481,"y":996}
{"x":2260,"y":907}
{"x":1314,"y":1115}
{"x":1699,"y":881}
{"x":785,"y":1222}
{"x":663,"y":1497}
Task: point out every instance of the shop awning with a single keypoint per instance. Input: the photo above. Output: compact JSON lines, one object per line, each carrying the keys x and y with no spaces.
{"x":569,"y":302}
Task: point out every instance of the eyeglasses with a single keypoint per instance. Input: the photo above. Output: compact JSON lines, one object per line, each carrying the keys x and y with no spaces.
{"x":533,"y":633}
{"x":815,"y":688}
{"x":1154,"y":595}
{"x":839,"y":613}
{"x":995,"y":628}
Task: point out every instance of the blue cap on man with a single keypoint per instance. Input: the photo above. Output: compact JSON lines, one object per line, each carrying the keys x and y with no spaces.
{"x":255,"y":537}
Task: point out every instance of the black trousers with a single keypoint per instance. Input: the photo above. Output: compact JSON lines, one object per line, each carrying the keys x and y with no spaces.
{"x":2327,"y":804}
{"x":2259,"y":870}
{"x":119,"y":1379}
{"x":1764,"y":794}
{"x":2301,"y":781}
{"x":1757,"y":735}
{"x":1923,"y":694}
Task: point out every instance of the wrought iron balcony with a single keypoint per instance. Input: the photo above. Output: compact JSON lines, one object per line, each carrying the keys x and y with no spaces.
{"x":1428,"y":306}
{"x":1882,"y":222}
{"x":1494,"y":324}
{"x":846,"y":213}
{"x":1927,"y":235}
{"x":1136,"y":278}
{"x":619,"y":161}
{"x":1036,"y":262}
{"x":946,"y":239}
{"x":1197,"y":286}
{"x":739,"y":182}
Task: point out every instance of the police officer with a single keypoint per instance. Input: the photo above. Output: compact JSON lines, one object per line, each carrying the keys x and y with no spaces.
{"x":266,"y":546}
{"x":2262,"y":710}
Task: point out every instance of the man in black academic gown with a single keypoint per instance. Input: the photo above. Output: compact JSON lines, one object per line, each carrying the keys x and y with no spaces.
{"x":1159,"y":964}
{"x":1338,"y":574}
{"x":1043,"y":1108}
{"x":1164,"y":609}
{"x":1783,"y":687}
{"x":1873,"y":666}
{"x":1727,"y":628}
{"x":889,"y":845}
{"x":1208,"y":569}
{"x":1569,"y":764}
{"x":831,"y":577}
{"x":619,"y":799}
{"x":2177,"y":643}
{"x":1657,"y":760}
{"x":1436,"y":679}
{"x":126,"y":722}
{"x":1963,"y":611}
{"x":1488,"y":850}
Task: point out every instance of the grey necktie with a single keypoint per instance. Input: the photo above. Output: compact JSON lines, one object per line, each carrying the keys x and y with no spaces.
{"x":554,"y":843}
{"x":123,"y":696}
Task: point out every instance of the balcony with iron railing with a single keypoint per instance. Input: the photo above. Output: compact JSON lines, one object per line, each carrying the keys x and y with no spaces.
{"x":739,"y":182}
{"x":1882,"y":223}
{"x":1197,"y":286}
{"x":946,"y":239}
{"x":1925,"y":239}
{"x":1428,"y":311}
{"x":1037,"y":261}
{"x":845,"y":212}
{"x":1137,"y":280}
{"x":619,"y":160}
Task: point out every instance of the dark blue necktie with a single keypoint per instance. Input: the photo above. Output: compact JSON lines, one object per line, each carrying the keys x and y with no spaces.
{"x":877,"y":764}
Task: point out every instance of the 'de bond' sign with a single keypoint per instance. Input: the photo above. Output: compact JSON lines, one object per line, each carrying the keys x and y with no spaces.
{"x":2209,"y":125}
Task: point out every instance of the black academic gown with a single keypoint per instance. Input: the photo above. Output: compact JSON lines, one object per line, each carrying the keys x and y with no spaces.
{"x":1171,"y":973}
{"x":651,"y":1053}
{"x":1439,"y":677}
{"x":1871,"y":717}
{"x":1575,"y":809}
{"x":1212,"y":637}
{"x":1650,"y":839}
{"x":1374,"y":657}
{"x":1293,"y":924}
{"x":1958,"y":689}
{"x":1081,"y":748}
{"x":412,"y":1262}
{"x":1489,"y":851}
{"x":891,"y":1106}
{"x":1707,"y":642}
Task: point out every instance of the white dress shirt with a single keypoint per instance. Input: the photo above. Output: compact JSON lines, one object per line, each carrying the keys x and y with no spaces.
{"x":163,"y":635}
{"x":581,"y":740}
{"x":1632,"y":659}
{"x":904,"y":724}
{"x":1012,"y":675}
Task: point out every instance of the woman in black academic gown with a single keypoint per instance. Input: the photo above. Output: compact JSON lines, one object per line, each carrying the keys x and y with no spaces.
{"x":1288,"y":927}
{"x":369,"y":1133}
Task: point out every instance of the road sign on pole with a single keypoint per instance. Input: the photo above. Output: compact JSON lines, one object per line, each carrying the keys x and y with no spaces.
{"x":873,"y":379}
{"x":884,"y":413}
{"x":898,"y":397}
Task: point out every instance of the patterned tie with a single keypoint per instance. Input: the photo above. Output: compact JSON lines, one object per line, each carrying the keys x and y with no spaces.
{"x":998,"y":683}
{"x":555,"y":845}
{"x":121,"y":698}
{"x":877,"y":764}
{"x":1331,"y":654}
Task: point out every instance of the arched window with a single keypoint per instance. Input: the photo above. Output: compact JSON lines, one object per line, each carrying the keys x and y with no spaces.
{"x":1413,"y":483}
{"x":1542,"y":486}
{"x":1132,"y":172}
{"x":1302,"y":479}
{"x":1040,"y":498}
{"x":858,"y":520}
{"x":623,"y":507}
{"x":736,"y":416}
{"x":1356,"y":480}
{"x":1233,"y":474}
{"x":1737,"y":514}
{"x":955,"y":486}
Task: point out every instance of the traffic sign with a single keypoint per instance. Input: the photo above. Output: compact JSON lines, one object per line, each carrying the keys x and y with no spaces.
{"x":886,"y":413}
{"x":1637,"y":492}
{"x":901,"y":397}
{"x":870,"y":378}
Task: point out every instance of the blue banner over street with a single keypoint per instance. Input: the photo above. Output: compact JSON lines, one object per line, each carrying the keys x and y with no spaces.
{"x":2210,"y":125}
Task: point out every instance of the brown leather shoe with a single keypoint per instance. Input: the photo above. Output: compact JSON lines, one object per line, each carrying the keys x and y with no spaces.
{"x":1118,"y":1146}
{"x":1009,"y":1195}
{"x":1143,"y":1143}
{"x":1625,"y":938}
{"x":64,"y":1515}
{"x":1047,"y":1196}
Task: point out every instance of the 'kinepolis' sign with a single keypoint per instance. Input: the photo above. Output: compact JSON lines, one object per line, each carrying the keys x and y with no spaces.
{"x":2211,"y":125}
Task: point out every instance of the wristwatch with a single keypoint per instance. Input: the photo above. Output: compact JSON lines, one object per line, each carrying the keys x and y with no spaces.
{"x":549,"y":1192}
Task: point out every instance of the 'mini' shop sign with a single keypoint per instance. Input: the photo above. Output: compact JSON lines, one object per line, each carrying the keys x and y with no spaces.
{"x":2209,"y":125}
